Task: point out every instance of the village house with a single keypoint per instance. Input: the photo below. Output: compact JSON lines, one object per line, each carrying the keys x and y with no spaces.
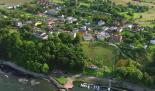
{"x":116,"y":38}
{"x":133,"y":27}
{"x":41,"y":35}
{"x":43,"y":2}
{"x":36,"y":29}
{"x":87,"y":23}
{"x":61,"y":18}
{"x":50,"y":24}
{"x":102,"y":35}
{"x":105,"y":28}
{"x":71,"y":19}
{"x":19,"y":24}
{"x":101,"y":23}
{"x":13,"y":7}
{"x":28,"y":22}
{"x":87,"y":37}
{"x":152,"y":41}
{"x":93,"y":67}
{"x":51,"y":12}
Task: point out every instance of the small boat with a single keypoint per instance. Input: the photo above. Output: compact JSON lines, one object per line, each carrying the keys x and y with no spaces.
{"x":6,"y":76}
{"x":84,"y":85}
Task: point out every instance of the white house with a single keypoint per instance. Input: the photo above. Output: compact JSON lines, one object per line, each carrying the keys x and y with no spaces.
{"x":19,"y":24}
{"x":129,"y":26}
{"x":102,"y":35}
{"x":87,"y":37}
{"x":51,"y":12}
{"x":93,"y":67}
{"x":84,"y":28}
{"x":71,"y":19}
{"x":152,"y":41}
{"x":105,"y":28}
{"x":101,"y":23}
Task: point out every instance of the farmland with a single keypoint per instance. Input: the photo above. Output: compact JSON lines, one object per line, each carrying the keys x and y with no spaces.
{"x":14,"y":2}
{"x":147,"y":17}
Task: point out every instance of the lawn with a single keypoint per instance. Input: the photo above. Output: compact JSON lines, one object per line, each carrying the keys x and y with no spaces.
{"x":56,"y":1}
{"x":61,"y":79}
{"x":135,"y":15}
{"x":148,"y":16}
{"x":13,"y":2}
{"x":99,"y":54}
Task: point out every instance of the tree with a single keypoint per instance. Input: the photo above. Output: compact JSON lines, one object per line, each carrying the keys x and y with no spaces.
{"x":45,"y":68}
{"x":77,"y":39}
{"x":71,"y":3}
{"x":65,"y":38}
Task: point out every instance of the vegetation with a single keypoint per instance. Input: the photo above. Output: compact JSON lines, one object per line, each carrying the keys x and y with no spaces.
{"x":61,"y":79}
{"x":131,"y":59}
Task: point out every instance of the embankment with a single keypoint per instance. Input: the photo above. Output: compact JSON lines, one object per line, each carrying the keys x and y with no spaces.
{"x":56,"y":84}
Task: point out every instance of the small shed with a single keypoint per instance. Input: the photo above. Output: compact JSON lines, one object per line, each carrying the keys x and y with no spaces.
{"x":93,"y":67}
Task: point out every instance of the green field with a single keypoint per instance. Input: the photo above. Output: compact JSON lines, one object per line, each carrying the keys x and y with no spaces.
{"x":13,"y":2}
{"x":99,"y":54}
{"x":148,"y":16}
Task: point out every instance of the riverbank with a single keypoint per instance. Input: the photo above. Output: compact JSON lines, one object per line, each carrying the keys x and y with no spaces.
{"x":115,"y":83}
{"x":27,"y":73}
{"x":11,"y":82}
{"x":105,"y":82}
{"x":72,"y":78}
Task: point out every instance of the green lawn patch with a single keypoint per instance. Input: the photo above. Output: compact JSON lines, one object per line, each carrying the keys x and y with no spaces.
{"x":13,"y":2}
{"x":100,"y":54}
{"x":135,"y":15}
{"x":100,"y":72}
{"x":61,"y":79}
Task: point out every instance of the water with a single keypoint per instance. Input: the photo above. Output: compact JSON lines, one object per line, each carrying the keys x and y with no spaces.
{"x":78,"y":88}
{"x":13,"y":83}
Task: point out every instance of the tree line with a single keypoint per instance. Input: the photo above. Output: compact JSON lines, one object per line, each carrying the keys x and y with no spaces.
{"x":58,"y":52}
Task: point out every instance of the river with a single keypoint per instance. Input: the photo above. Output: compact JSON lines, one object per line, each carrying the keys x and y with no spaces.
{"x":10,"y":82}
{"x":13,"y":80}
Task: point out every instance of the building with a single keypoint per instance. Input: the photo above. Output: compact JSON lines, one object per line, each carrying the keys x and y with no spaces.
{"x":19,"y":24}
{"x":87,"y":37}
{"x":101,"y":23}
{"x":116,"y":38}
{"x":152,"y":41}
{"x":51,"y":12}
{"x":71,"y":19}
{"x":41,"y":35}
{"x":93,"y":67}
{"x":102,"y":35}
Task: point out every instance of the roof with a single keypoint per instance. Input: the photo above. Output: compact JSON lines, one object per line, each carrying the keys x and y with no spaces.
{"x":87,"y":37}
{"x":51,"y":12}
{"x":101,"y":22}
{"x":152,"y":41}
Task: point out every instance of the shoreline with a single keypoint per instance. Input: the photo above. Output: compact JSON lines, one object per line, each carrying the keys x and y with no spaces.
{"x":72,"y":78}
{"x":115,"y":83}
{"x":19,"y":71}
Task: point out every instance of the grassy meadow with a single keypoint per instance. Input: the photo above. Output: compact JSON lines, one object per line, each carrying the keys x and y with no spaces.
{"x":99,"y":53}
{"x":12,"y":2}
{"x":148,"y":16}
